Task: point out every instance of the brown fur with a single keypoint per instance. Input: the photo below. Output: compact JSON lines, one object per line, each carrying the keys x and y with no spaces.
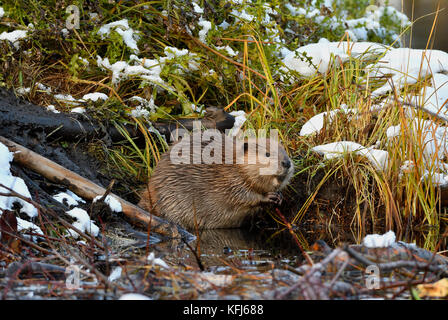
{"x":211,"y":196}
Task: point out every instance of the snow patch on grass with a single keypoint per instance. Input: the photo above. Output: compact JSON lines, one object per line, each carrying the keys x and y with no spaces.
{"x":129,"y":35}
{"x":83,"y":223}
{"x":112,"y":202}
{"x":14,"y":37}
{"x":379,"y":241}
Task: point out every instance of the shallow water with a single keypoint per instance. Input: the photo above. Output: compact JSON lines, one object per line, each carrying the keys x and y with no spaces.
{"x":228,"y":251}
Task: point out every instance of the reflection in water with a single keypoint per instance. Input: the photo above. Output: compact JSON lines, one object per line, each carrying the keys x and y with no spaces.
{"x":416,"y":10}
{"x":229,"y":251}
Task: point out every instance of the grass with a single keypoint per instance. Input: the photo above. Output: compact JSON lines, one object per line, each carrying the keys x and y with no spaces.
{"x":373,"y":201}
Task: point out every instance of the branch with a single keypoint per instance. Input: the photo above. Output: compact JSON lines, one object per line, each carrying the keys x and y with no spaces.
{"x":89,"y":190}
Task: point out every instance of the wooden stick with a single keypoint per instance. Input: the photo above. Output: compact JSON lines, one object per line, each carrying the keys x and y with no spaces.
{"x":89,"y":190}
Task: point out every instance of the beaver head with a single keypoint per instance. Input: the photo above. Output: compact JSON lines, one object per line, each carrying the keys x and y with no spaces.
{"x":266,"y":160}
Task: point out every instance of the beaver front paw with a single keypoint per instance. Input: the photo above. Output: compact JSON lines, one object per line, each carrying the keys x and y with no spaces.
{"x":274,"y":198}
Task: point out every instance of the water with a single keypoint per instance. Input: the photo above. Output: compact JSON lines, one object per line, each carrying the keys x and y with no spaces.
{"x":422,"y":12}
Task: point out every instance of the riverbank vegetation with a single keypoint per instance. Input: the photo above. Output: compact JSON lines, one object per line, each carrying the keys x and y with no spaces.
{"x":138,"y":62}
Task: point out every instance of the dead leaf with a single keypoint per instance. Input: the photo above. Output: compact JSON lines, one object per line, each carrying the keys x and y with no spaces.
{"x":8,"y":230}
{"x":436,"y":289}
{"x":8,"y":226}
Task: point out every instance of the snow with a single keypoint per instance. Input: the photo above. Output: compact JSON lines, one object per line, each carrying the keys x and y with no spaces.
{"x":432,"y":139}
{"x":379,"y":241}
{"x":393,"y":131}
{"x":93,"y":16}
{"x":173,"y":52}
{"x":84,"y":61}
{"x":406,"y":66}
{"x":15,"y":183}
{"x":23,"y":91}
{"x":144,"y":109}
{"x":74,"y":196}
{"x":434,"y":98}
{"x":68,"y":99}
{"x":358,"y":29}
{"x":316,"y":57}
{"x":316,"y":123}
{"x":23,"y":225}
{"x":243,"y":15}
{"x":115,"y":274}
{"x":112,"y":202}
{"x":406,"y":167}
{"x":148,"y":69}
{"x":197,"y":8}
{"x":240,"y":119}
{"x":83,"y":223}
{"x":78,"y":110}
{"x":224,"y":25}
{"x":134,"y":296}
{"x":95,"y":96}
{"x":52,"y":108}
{"x":229,"y":50}
{"x":206,"y":26}
{"x":140,"y":112}
{"x":295,"y":11}
{"x":379,"y":158}
{"x":14,"y":37}
{"x":152,"y":260}
{"x":65,"y":32}
{"x":435,"y":178}
{"x":71,"y":198}
{"x":152,"y":129}
{"x":43,"y":87}
{"x":5,"y":158}
{"x":130,"y":37}
{"x":403,"y":66}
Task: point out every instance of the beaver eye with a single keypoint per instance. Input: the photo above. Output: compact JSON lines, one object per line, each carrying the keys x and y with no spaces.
{"x":268,"y":154}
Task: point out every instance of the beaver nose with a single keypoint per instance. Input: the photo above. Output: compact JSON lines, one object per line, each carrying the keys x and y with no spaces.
{"x":286,"y":164}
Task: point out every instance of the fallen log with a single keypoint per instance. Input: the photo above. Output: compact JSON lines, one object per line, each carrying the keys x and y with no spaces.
{"x":23,"y":115}
{"x":89,"y":190}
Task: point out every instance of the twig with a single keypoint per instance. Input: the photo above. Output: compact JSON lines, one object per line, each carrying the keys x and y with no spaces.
{"x":196,"y":256}
{"x":338,"y":274}
{"x":288,"y":225}
{"x":386,"y":266}
{"x":314,"y":268}
{"x":48,"y":211}
{"x":30,"y":243}
{"x":89,"y":190}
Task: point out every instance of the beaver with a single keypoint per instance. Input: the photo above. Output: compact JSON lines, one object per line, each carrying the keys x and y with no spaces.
{"x":198,"y":193}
